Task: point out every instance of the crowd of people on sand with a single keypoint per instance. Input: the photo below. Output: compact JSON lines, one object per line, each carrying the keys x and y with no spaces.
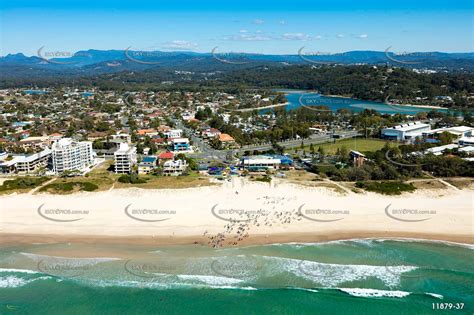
{"x":238,"y":228}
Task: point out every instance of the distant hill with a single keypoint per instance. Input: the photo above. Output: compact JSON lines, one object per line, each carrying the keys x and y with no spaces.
{"x":90,"y":63}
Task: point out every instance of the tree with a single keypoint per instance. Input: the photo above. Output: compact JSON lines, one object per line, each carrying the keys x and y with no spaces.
{"x":321,"y":151}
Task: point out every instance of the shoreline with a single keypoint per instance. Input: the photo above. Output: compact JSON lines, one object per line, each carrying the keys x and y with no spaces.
{"x":199,"y":240}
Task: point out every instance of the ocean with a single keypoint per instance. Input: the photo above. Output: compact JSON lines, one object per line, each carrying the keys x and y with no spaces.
{"x":367,"y":276}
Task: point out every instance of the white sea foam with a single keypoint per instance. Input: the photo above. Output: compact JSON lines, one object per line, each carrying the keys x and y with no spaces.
{"x":421,"y":240}
{"x":438,"y":296}
{"x":374,"y":293}
{"x":210,"y":280}
{"x":160,"y":285}
{"x":332,"y":275}
{"x":14,"y":282}
{"x":303,"y":289}
{"x":18,"y":270}
{"x":370,"y":241}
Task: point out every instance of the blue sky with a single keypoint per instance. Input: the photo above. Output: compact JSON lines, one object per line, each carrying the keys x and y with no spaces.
{"x":278,"y":27}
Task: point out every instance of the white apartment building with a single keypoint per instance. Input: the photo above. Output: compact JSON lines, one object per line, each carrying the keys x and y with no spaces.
{"x":24,"y":164}
{"x":125,"y":159}
{"x":70,"y":155}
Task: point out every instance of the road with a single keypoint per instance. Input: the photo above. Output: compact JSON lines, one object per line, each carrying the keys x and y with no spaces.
{"x":204,"y":150}
{"x":314,"y":139}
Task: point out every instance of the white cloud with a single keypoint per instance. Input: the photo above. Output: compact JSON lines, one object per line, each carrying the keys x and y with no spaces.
{"x":318,"y":37}
{"x":340,"y":36}
{"x":179,"y":45}
{"x":258,"y":21}
{"x":282,"y":22}
{"x":243,"y":31}
{"x":295,"y":36}
{"x":363,"y":36}
{"x":248,"y":37}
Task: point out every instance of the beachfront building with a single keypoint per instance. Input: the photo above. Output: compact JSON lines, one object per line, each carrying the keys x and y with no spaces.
{"x":125,"y":158}
{"x":180,"y":144}
{"x":24,"y":164}
{"x":406,"y":131}
{"x":147,"y":165}
{"x":70,"y":155}
{"x":259,"y":163}
{"x":174,"y":168}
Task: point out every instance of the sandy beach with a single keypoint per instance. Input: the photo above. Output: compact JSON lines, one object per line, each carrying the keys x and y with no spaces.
{"x":235,"y":213}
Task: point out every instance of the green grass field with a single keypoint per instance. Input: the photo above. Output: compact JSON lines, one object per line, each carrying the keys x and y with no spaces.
{"x":358,"y":144}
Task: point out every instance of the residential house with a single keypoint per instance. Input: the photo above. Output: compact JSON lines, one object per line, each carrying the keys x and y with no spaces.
{"x":227,"y":142}
{"x":211,"y":133}
{"x":173,"y":133}
{"x":147,"y":165}
{"x":162,"y":157}
{"x":180,"y":145}
{"x":174,"y":168}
